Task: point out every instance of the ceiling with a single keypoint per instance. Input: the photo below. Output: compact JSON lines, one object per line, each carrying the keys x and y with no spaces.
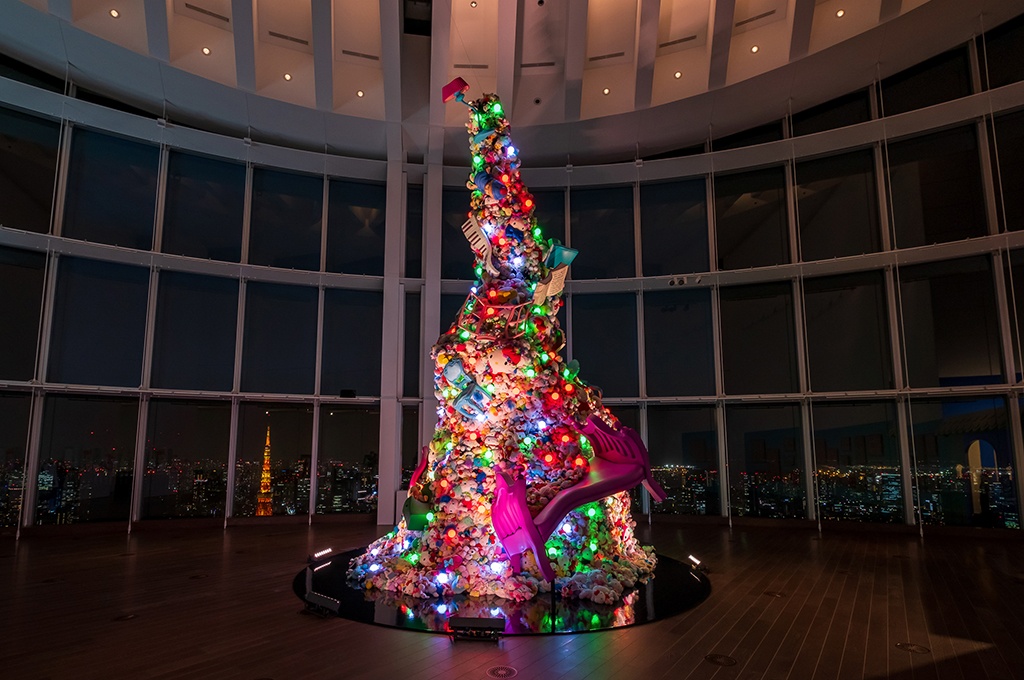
{"x":554,"y":61}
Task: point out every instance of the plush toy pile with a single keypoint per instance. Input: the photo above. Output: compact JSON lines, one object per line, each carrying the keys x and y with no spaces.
{"x":509,"y":403}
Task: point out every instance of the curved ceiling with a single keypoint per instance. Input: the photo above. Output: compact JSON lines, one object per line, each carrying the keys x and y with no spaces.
{"x":588,"y":80}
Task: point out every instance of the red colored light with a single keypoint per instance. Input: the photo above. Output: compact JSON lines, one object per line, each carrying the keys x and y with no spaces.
{"x":504,"y":179}
{"x":501,"y":241}
{"x":555,"y":396}
{"x":492,"y":293}
{"x":452,"y":533}
{"x":528,"y":202}
{"x":580,"y":461}
{"x":565,"y":438}
{"x":549,"y":459}
{"x":569,"y":388}
{"x":490,"y":311}
{"x":443,"y":483}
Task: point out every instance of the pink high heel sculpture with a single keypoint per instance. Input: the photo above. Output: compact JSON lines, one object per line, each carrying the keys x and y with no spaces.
{"x":620,"y":462}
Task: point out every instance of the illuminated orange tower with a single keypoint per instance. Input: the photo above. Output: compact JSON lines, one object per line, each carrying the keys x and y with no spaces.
{"x":263,"y":505}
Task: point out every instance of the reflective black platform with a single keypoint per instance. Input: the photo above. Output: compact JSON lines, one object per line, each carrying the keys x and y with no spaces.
{"x":323,"y":587}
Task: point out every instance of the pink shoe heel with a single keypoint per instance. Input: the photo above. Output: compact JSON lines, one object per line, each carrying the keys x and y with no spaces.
{"x":514,"y":526}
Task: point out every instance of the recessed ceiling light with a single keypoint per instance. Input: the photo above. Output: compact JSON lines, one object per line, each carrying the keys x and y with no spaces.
{"x":287,"y":76}
{"x":606,"y":90}
{"x":359,"y":93}
{"x":678,"y":74}
{"x":114,"y":13}
{"x":473,"y":4}
{"x":840,"y":12}
{"x":206,"y":51}
{"x":755,"y":48}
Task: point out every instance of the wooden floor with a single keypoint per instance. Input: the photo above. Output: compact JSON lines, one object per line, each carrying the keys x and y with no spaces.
{"x":199,"y":602}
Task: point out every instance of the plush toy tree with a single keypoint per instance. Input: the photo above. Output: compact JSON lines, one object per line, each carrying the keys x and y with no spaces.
{"x":524,"y":483}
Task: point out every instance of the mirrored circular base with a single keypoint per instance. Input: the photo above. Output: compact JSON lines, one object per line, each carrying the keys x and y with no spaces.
{"x":322,"y":586}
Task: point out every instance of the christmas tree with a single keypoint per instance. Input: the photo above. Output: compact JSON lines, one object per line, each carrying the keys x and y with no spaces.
{"x":524,"y":484}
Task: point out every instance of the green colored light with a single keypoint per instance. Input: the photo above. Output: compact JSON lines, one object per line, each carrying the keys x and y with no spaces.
{"x":538,"y":310}
{"x":478,"y":160}
{"x":530,"y":373}
{"x":536,"y":232}
{"x":528,"y":441}
{"x":497,"y":108}
{"x":544,"y":357}
{"x":430,"y":517}
{"x":552,"y":551}
{"x":488,"y":455}
{"x":595,"y":620}
{"x":413,"y":558}
{"x":591,"y":512}
{"x":593,"y":545}
{"x":464,"y":335}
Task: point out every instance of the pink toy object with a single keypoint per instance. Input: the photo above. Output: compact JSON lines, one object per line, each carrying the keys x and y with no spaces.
{"x":620,"y":463}
{"x":456,"y":90}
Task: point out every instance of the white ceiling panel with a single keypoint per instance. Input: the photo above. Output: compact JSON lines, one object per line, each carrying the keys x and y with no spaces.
{"x":286,"y":23}
{"x":216,"y":13}
{"x":357,"y":31}
{"x":683,"y":24}
{"x":128,"y":29}
{"x":473,"y":41}
{"x":828,"y":29}
{"x":189,"y":36}
{"x":611,"y":32}
{"x":543,"y":36}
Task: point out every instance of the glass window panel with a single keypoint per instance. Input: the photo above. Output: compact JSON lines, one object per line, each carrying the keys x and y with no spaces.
{"x":279,"y":349}
{"x":963,"y":463}
{"x":410,"y":441}
{"x":940,"y":79}
{"x":683,"y":443}
{"x":604,"y":342}
{"x":451,"y":307}
{"x":456,"y":256}
{"x":766,"y":461}
{"x":550,"y":213}
{"x":750,"y":219}
{"x":111,"y":194}
{"x":758,"y":339}
{"x":846,"y":110}
{"x":694,"y":150}
{"x":847,"y":332}
{"x":347,"y":463}
{"x":1002,"y":53}
{"x":602,"y":230}
{"x":353,"y":322}
{"x":760,"y":135}
{"x":856,"y":449}
{"x":674,"y":227}
{"x":837,"y":206}
{"x":203,"y":209}
{"x":679,"y":342}
{"x":411,"y":362}
{"x":194,"y":340}
{"x":28,"y":170}
{"x":21,"y":279}
{"x":414,"y":232}
{"x":935,"y":188}
{"x":355,"y":227}
{"x":23,"y":73}
{"x":289,"y":428}
{"x":1009,"y":142}
{"x":99,"y":323}
{"x":949,"y":322}
{"x":1015,"y":281}
{"x":287,"y":215}
{"x":86,"y":459}
{"x":186,"y":468}
{"x":14,"y":412}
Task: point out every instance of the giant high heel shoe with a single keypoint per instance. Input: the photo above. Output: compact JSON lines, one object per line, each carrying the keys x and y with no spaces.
{"x":620,"y":462}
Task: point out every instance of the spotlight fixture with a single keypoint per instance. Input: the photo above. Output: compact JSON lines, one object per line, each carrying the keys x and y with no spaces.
{"x":359,"y":93}
{"x":473,"y":4}
{"x":114,"y":13}
{"x":840,"y":13}
{"x":606,"y":90}
{"x":206,"y":51}
{"x":754,"y":49}
{"x":678,"y":75}
{"x":287,"y":76}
